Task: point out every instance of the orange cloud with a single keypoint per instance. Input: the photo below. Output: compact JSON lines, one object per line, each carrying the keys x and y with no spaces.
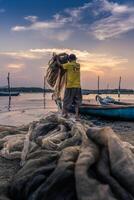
{"x":27,"y":55}
{"x":89,"y":61}
{"x":15,"y":65}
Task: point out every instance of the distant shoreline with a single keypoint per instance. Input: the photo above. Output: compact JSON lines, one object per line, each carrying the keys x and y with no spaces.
{"x":26,"y":90}
{"x":84,"y":91}
{"x":112,"y":91}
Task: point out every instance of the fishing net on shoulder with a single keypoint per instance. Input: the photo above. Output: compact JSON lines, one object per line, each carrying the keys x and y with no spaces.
{"x":56,"y":76}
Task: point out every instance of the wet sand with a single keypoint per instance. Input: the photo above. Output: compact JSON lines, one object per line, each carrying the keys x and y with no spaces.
{"x":125,"y":130}
{"x":23,"y":117}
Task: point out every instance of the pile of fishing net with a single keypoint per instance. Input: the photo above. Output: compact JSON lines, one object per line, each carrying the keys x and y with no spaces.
{"x":63,"y":159}
{"x":56,"y":76}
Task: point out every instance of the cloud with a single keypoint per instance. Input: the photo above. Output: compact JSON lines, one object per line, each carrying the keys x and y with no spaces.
{"x":61,"y":35}
{"x":112,"y":27}
{"x":89,"y":61}
{"x":21,"y":55}
{"x":113,"y":7}
{"x":101,"y":18}
{"x":31,"y":18}
{"x":55,"y":23}
{"x":119,"y":20}
{"x":52,"y":29}
{"x":19,"y":28}
{"x":76,"y":12}
{"x":36,"y":26}
{"x":15,"y":65}
{"x":28,"y":67}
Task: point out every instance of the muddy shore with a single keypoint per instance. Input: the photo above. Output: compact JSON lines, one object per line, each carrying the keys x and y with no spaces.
{"x":125,"y":130}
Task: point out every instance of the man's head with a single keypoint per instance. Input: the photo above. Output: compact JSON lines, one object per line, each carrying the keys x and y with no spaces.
{"x":72,"y":57}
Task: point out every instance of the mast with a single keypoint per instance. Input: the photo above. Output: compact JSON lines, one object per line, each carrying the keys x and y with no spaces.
{"x":8,"y":81}
{"x":9,"y":90}
{"x":44,"y":91}
{"x":107,"y":88}
{"x":98,"y":85}
{"x":119,"y":88}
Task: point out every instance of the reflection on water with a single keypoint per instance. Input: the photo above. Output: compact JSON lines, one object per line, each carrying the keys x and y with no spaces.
{"x":26,"y":101}
{"x":9,"y":103}
{"x":36,"y":101}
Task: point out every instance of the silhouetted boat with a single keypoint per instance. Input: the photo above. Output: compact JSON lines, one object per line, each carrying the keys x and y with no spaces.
{"x":9,"y":94}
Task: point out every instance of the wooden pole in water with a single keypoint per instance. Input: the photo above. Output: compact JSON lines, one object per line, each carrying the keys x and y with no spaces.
{"x":9,"y":90}
{"x":98,"y":85}
{"x":119,"y":89}
{"x":8,"y":80}
{"x":44,"y":91}
{"x":107,"y":88}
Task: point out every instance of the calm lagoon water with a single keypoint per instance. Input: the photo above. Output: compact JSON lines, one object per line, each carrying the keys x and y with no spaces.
{"x":25,"y":108}
{"x":36,"y":101}
{"x":29,"y":107}
{"x":26,"y":101}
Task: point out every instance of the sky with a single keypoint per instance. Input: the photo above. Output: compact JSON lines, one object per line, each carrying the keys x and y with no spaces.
{"x":99,"y":32}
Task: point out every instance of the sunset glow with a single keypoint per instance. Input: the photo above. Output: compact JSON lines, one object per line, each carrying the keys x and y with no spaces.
{"x":99,"y":32}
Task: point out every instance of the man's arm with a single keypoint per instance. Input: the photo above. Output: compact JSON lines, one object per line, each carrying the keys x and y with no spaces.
{"x":58,"y":62}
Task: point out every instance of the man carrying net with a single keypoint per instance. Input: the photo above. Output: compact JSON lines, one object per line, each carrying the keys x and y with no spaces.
{"x":72,"y":95}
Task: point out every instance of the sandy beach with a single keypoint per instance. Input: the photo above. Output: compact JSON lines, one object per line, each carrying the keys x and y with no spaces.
{"x":20,"y":117}
{"x":123,"y":129}
{"x":24,"y":117}
{"x":8,"y":168}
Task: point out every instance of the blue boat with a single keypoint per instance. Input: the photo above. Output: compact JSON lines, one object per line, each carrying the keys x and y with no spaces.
{"x":118,"y":112}
{"x":9,"y":94}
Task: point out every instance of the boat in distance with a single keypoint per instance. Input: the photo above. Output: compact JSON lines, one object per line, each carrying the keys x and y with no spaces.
{"x":118,"y":112}
{"x":9,"y":94}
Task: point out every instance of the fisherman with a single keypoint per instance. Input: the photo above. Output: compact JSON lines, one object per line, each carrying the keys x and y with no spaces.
{"x":72,"y":95}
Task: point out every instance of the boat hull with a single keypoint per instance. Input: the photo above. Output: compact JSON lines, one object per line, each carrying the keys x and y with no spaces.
{"x":11,"y":94}
{"x":122,"y":103}
{"x":110,"y":112}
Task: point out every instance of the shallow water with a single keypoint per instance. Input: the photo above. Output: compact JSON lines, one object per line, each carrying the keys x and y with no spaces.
{"x":36,"y":101}
{"x":26,"y":101}
{"x":25,"y":108}
{"x":29,"y":107}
